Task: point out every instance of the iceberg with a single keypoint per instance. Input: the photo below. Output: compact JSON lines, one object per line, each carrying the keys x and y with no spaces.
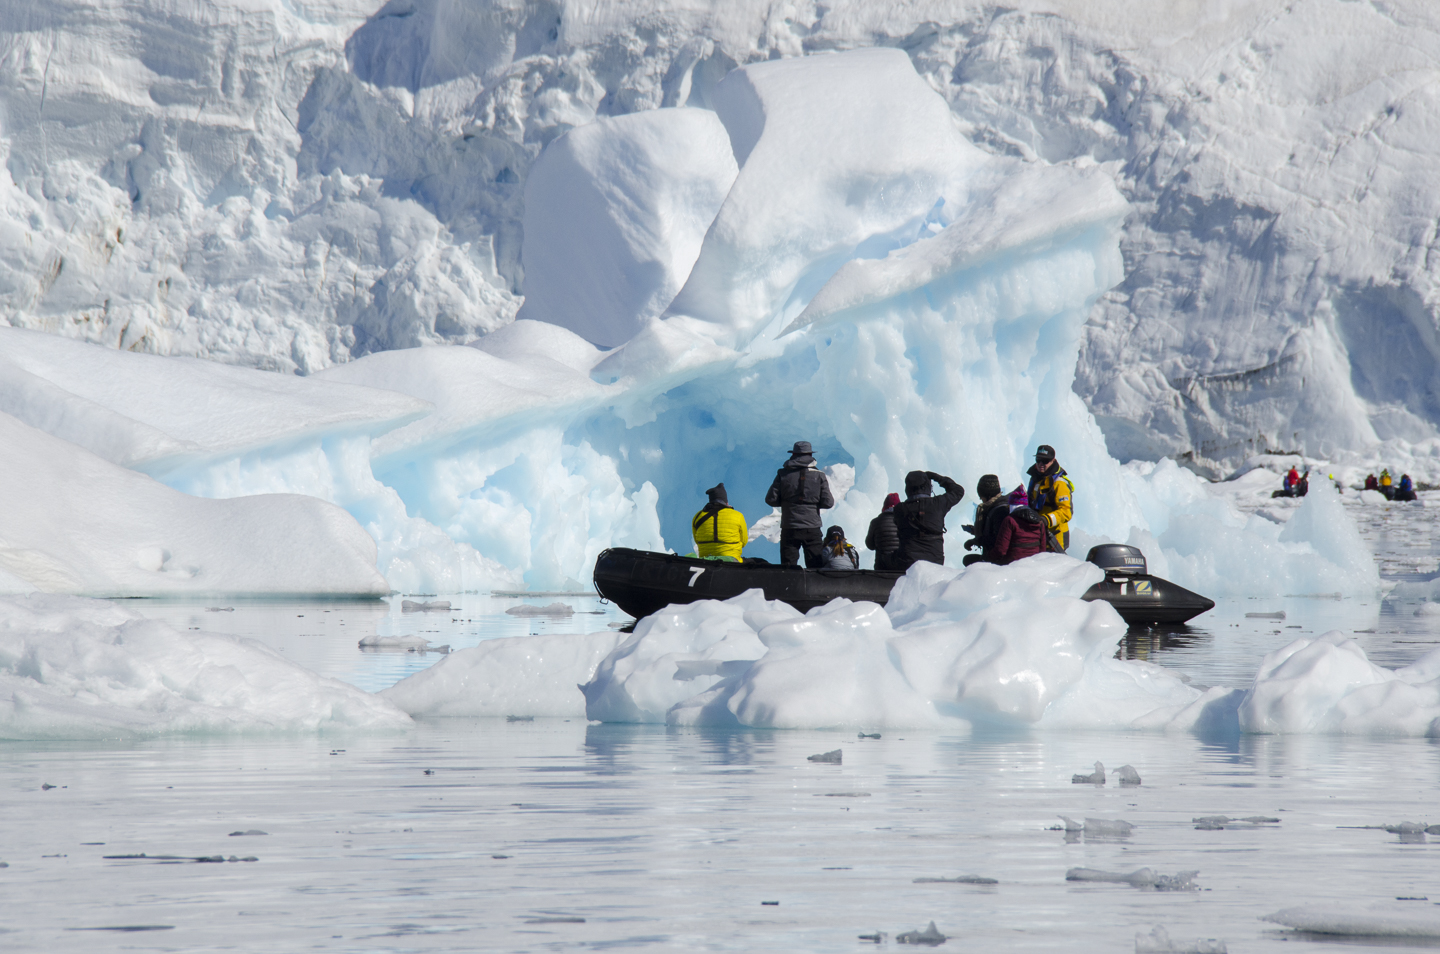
{"x":842,"y":264}
{"x":73,"y":668}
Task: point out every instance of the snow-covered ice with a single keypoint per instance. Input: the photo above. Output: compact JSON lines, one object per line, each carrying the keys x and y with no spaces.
{"x":77,"y":523}
{"x":73,"y":668}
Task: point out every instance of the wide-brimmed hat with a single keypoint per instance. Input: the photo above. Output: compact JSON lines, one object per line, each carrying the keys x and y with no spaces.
{"x":800,"y":449}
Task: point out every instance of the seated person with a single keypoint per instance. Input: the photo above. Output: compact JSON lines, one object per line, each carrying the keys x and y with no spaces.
{"x":989,"y":514}
{"x":1022,"y":534}
{"x":838,"y":553}
{"x":719,"y":529}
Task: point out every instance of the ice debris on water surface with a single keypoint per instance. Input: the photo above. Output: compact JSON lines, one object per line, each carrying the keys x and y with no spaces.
{"x":930,"y":936}
{"x":412,"y":606}
{"x":549,"y":609}
{"x":1140,"y":878}
{"x":1127,"y":775}
{"x":958,"y":879}
{"x":1277,"y":615}
{"x":1096,"y":777}
{"x":1096,"y":827}
{"x":402,"y":644}
{"x":833,"y":756}
{"x":248,"y":832}
{"x":1219,"y":822}
{"x":1158,"y":941}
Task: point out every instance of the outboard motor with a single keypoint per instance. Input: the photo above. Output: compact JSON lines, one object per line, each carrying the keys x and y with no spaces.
{"x":1118,"y":558}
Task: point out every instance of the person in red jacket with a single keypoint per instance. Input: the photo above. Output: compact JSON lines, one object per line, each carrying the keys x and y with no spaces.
{"x":1022,"y":534}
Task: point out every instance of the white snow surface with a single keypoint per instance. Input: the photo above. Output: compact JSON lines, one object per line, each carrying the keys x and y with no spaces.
{"x":76,"y":523}
{"x":1383,"y":919}
{"x":74,"y":668}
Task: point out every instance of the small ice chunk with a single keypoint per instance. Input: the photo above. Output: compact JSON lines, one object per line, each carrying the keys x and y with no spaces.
{"x":252,"y":831}
{"x":1407,"y":828}
{"x":219,"y":609}
{"x":1428,"y":609}
{"x":958,"y":879}
{"x":878,"y":937}
{"x":515,"y":718}
{"x":1094,"y":778}
{"x":1107,"y":826}
{"x":1140,"y":878}
{"x":401,"y":644}
{"x":550,"y":609}
{"x":1127,"y":775}
{"x":1158,"y":942}
{"x":834,"y":756}
{"x":930,"y":936}
{"x":1279,"y":615}
{"x":872,"y":735}
{"x":411,"y":606}
{"x":1071,"y":824}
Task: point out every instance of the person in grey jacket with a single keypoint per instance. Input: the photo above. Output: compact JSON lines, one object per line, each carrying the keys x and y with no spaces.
{"x":801,"y":492}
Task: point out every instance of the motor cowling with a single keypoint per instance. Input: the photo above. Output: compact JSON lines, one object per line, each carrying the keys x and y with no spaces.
{"x":1118,"y":558}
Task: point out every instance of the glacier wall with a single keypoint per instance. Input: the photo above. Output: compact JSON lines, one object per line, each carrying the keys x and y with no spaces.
{"x":292,"y":186}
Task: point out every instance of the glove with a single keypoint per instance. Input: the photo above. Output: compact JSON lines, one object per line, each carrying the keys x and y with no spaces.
{"x":968,"y":528}
{"x":969,"y":544}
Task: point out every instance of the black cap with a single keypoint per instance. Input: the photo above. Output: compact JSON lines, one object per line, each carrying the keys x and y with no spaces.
{"x":988,"y":486}
{"x":916,"y":480}
{"x":800,"y":448}
{"x":717,"y":494}
{"x":1044,"y":453}
{"x":835,"y":531}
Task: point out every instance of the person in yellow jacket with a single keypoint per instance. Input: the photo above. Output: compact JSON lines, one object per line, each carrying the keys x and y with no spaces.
{"x":719,"y":529}
{"x":1050,"y":492}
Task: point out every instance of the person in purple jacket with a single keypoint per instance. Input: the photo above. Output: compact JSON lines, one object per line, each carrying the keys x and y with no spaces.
{"x":1022,"y":534}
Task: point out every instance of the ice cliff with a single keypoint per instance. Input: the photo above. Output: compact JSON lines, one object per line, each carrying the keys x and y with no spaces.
{"x":292,"y":186}
{"x":856,"y":271}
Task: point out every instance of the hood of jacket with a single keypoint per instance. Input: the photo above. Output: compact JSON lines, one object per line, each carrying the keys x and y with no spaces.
{"x":800,"y":462}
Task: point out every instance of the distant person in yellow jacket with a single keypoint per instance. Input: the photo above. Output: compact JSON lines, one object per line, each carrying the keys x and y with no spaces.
{"x":719,"y":529}
{"x":1050,"y":492}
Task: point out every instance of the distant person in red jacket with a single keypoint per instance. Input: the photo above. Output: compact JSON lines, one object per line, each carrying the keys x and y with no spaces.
{"x":1022,"y":534}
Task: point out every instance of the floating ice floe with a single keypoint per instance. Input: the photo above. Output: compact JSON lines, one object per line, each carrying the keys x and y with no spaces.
{"x":549,"y":609}
{"x":419,"y":606}
{"x":1328,"y":685}
{"x":1158,"y":941}
{"x":404,"y":644}
{"x":519,"y":676}
{"x":1384,"y":919}
{"x":1096,"y":777}
{"x":74,"y":668}
{"x":1139,"y":878}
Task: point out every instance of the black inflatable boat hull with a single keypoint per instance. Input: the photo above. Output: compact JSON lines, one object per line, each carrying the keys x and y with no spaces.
{"x":1142,"y":599}
{"x":641,"y":582}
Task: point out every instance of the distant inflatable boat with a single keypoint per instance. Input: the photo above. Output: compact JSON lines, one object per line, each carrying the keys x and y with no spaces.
{"x":641,"y":582}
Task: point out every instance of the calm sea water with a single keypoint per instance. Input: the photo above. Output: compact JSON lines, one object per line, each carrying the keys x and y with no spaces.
{"x":554,"y":835}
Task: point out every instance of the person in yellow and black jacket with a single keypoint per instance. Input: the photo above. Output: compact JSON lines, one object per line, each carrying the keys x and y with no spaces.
{"x":719,"y":529}
{"x":1051,"y":492}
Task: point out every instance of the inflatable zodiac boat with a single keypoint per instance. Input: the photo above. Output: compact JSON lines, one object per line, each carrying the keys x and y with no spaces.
{"x":641,"y":582}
